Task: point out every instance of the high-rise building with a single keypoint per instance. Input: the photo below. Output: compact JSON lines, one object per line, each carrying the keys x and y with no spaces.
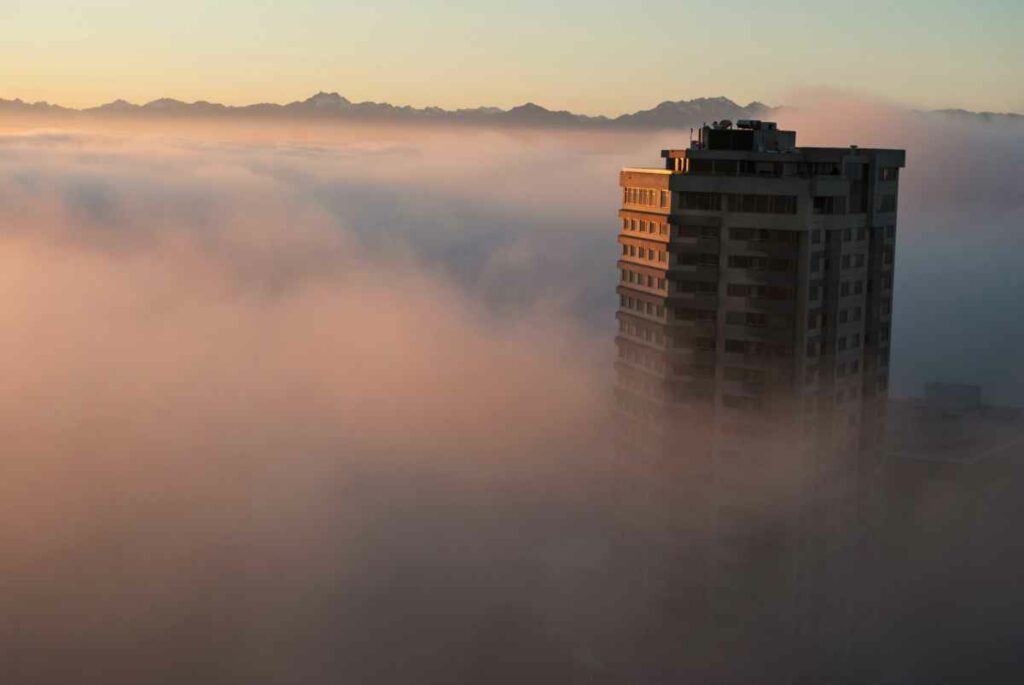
{"x":755,"y":291}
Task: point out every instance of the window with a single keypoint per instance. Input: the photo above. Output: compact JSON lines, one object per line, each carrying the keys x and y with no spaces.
{"x":754,"y":319}
{"x":862,"y":233}
{"x":858,"y":287}
{"x":846,"y":261}
{"x":688,"y":314}
{"x":829,"y":204}
{"x":813,"y":346}
{"x":759,"y":263}
{"x":858,"y":313}
{"x":663,"y":199}
{"x":858,"y":261}
{"x":847,"y":235}
{"x":855,"y":341}
{"x":816,"y":237}
{"x":844,"y":289}
{"x":843,"y":316}
{"x":696,"y":287}
{"x":887,"y":203}
{"x":888,"y":173}
{"x":841,"y":343}
{"x":761,"y":203}
{"x":697,"y":259}
{"x":700,"y":201}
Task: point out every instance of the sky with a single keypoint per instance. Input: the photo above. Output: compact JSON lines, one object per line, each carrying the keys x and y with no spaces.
{"x":589,"y":57}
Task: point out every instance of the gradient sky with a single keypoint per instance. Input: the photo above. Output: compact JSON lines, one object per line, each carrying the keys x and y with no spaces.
{"x":592,"y":57}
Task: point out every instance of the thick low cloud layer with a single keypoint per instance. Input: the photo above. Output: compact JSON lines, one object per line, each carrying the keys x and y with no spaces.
{"x":309,"y":406}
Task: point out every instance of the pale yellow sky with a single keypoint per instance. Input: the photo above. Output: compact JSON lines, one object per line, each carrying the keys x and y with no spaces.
{"x":589,"y":57}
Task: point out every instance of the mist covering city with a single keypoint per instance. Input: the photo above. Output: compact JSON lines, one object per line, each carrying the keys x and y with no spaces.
{"x":289,"y":403}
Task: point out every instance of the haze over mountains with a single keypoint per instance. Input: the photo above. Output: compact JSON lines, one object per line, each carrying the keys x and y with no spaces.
{"x":328,"y":106}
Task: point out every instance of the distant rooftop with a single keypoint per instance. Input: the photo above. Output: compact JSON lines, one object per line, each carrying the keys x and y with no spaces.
{"x":751,"y":135}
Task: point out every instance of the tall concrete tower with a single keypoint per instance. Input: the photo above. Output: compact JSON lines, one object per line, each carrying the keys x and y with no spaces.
{"x":755,"y":293}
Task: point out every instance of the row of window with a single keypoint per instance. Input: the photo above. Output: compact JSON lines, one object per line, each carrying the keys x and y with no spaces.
{"x":759,"y":263}
{"x":848,"y":287}
{"x":817,"y":318}
{"x":696,"y":287}
{"x":697,"y":259}
{"x":655,"y":336}
{"x":636,"y":408}
{"x":750,"y":291}
{"x":765,"y":235}
{"x":659,"y":256}
{"x":829,"y":204}
{"x":702,"y":344}
{"x":753,"y":319}
{"x":642,"y":332}
{"x":637,"y":305}
{"x":758,"y":348}
{"x":816,"y":347}
{"x":745,"y":167}
{"x":657,"y":310}
{"x":645,"y":196}
{"x":690,"y":314}
{"x":738,"y":202}
{"x":759,"y":292}
{"x":643,"y":385}
{"x":636,"y":278}
{"x":644,"y":226}
{"x":847,"y":261}
{"x":652,"y":361}
{"x":836,"y":204}
{"x":706,"y":232}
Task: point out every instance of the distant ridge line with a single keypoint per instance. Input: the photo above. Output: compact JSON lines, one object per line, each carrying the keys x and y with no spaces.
{"x":333,"y":106}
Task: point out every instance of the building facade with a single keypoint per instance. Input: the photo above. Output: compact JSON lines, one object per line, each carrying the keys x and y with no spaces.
{"x":755,"y":304}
